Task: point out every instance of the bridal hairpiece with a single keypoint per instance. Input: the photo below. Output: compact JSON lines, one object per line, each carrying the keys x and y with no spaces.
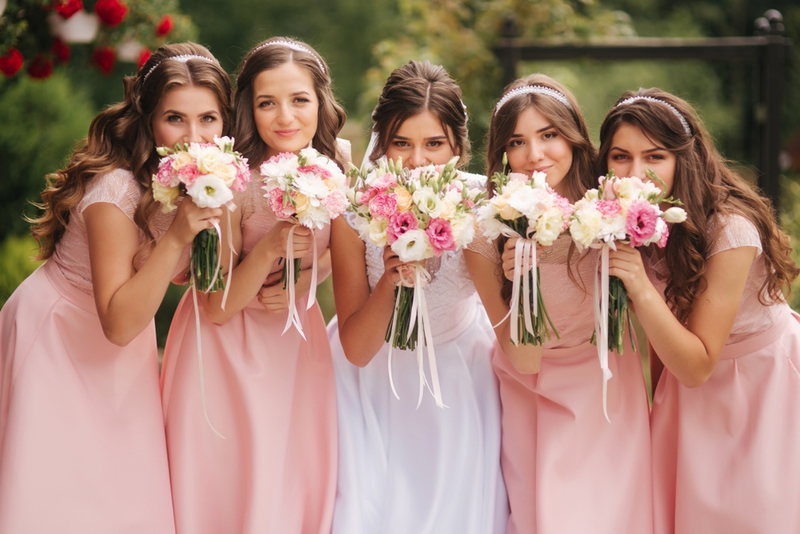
{"x":183,"y":58}
{"x":672,"y":108}
{"x":528,"y":89}
{"x":293,"y":46}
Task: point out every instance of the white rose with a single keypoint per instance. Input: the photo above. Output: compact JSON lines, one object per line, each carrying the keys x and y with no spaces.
{"x":165,"y":195}
{"x":377,"y":231}
{"x":586,"y":226}
{"x":463,"y":229}
{"x":208,"y":191}
{"x":549,"y":227}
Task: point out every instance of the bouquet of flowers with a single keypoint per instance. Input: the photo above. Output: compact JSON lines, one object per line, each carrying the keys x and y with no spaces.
{"x":526,"y":208}
{"x":419,"y":213}
{"x":208,"y":173}
{"x":625,"y":210}
{"x":311,"y":190}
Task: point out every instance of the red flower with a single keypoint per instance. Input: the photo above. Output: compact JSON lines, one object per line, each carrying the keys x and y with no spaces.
{"x":165,"y":26}
{"x":11,"y":62}
{"x":111,"y":12}
{"x":143,"y":57}
{"x":60,"y":50}
{"x":67,"y":8}
{"x":104,"y":57}
{"x":40,"y":67}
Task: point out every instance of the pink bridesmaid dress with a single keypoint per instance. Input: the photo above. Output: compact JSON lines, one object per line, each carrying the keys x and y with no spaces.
{"x":82,"y":446}
{"x":726,"y":455}
{"x":567,"y":469}
{"x":273,"y":399}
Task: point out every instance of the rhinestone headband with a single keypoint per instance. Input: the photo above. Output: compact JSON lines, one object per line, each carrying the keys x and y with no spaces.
{"x":672,"y":108}
{"x":293,"y":46}
{"x":528,"y":89}
{"x":182,"y":58}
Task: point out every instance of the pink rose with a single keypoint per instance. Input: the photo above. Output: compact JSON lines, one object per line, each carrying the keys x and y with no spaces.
{"x":640,"y":223}
{"x":440,"y":235}
{"x":383,"y":205}
{"x":400,"y":223}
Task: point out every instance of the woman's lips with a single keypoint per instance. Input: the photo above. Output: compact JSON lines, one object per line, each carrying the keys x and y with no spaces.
{"x":286,"y":133}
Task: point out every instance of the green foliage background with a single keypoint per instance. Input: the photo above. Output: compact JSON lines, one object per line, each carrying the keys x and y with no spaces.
{"x":363,"y":40}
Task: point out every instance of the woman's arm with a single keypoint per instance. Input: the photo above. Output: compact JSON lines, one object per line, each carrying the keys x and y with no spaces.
{"x":126,"y":299}
{"x":656,"y":367}
{"x":690,"y":351}
{"x":488,"y":280}
{"x":363,"y":317}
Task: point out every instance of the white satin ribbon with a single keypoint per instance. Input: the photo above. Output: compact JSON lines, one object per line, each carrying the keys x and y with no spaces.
{"x":230,"y":259}
{"x":524,"y":261}
{"x":419,"y":314}
{"x":601,"y":321}
{"x":292,"y":318}
{"x":200,"y":352}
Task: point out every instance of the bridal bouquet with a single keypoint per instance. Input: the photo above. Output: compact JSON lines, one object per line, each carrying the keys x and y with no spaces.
{"x":622,"y":210}
{"x":526,"y":208}
{"x":419,"y":213}
{"x":208,"y":173}
{"x":311,"y":190}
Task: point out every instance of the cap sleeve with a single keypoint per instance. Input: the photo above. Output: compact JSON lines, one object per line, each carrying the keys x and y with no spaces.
{"x":733,"y":231}
{"x":485,"y":247}
{"x":117,"y":187}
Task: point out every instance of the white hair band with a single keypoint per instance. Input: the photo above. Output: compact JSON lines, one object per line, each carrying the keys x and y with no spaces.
{"x":672,"y":108}
{"x":183,"y":58}
{"x":293,"y":46}
{"x":528,"y":89}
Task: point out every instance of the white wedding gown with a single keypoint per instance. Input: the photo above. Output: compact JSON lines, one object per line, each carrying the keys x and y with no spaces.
{"x":431,"y":470}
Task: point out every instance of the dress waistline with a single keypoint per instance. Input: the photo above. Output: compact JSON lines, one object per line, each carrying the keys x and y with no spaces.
{"x":66,"y":289}
{"x":759,"y":341}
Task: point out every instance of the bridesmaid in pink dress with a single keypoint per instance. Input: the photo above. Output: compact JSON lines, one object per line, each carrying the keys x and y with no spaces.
{"x":725,"y":426}
{"x":82,"y":446}
{"x":271,"y":396}
{"x":567,"y":469}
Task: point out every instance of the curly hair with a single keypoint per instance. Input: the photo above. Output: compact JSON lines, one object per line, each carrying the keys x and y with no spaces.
{"x":121,"y":137}
{"x":412,"y":89}
{"x":266,"y":56}
{"x":707,"y":186}
{"x":569,"y":123}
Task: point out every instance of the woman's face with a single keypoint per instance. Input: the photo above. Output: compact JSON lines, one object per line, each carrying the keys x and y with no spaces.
{"x":632,"y":153}
{"x":421,"y":140}
{"x":187,"y":114}
{"x":536,"y":145}
{"x":285,"y":108}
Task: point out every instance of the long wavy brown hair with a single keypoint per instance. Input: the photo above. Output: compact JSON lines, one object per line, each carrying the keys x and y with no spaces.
{"x":330,"y":116}
{"x":412,"y":89}
{"x":569,"y":123}
{"x":707,"y":185}
{"x":121,"y":137}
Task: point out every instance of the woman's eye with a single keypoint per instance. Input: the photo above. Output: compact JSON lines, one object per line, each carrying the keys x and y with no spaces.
{"x":619,"y":157}
{"x":400,"y":144}
{"x":656,"y":157}
{"x":209,"y":118}
{"x":550,"y":135}
{"x":301,"y":100}
{"x":174,"y":118}
{"x":514,"y":143}
{"x":435,"y":144}
{"x":264,"y":103}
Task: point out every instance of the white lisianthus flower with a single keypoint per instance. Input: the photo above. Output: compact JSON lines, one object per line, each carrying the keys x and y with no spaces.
{"x":165,"y":195}
{"x":412,"y":246}
{"x":492,"y":228}
{"x":427,"y":201}
{"x":224,"y":143}
{"x":650,"y":190}
{"x":549,"y":227}
{"x":363,"y":226}
{"x":539,"y":179}
{"x":377,"y":231}
{"x":675,"y":215}
{"x":208,"y":191}
{"x":586,"y":226}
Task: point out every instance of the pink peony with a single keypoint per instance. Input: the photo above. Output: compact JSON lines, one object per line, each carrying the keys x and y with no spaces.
{"x":608,"y":208}
{"x":640,"y":224}
{"x":279,"y":208}
{"x":383,"y":205}
{"x":400,"y":223}
{"x":440,"y":235}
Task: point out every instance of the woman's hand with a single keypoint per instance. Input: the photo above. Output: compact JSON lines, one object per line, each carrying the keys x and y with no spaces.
{"x":190,"y":220}
{"x":507,"y":259}
{"x":276,"y":240}
{"x":396,"y":270}
{"x":626,"y":264}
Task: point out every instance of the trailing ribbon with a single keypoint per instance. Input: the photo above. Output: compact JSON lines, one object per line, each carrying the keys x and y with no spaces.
{"x":524,"y":262}
{"x":601,"y":321}
{"x":419,"y":316}
{"x":294,"y":318}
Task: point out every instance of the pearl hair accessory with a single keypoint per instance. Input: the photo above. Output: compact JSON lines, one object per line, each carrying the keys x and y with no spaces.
{"x":528,"y":89}
{"x":672,"y":108}
{"x":182,"y":58}
{"x":293,"y":46}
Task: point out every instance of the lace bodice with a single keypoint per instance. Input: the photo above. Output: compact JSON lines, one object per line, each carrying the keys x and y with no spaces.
{"x":117,"y":187}
{"x":731,"y":232}
{"x":258,"y":219}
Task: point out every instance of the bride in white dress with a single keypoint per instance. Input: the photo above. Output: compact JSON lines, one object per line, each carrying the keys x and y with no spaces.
{"x":404,"y":469}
